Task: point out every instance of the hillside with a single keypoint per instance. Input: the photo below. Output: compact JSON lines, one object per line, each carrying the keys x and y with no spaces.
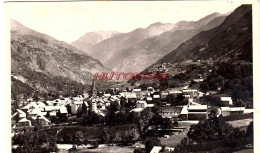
{"x":134,"y":51}
{"x":106,"y":49}
{"x":45,"y":64}
{"x":138,"y":57}
{"x":222,"y":57}
{"x":231,"y":39}
{"x":92,"y":38}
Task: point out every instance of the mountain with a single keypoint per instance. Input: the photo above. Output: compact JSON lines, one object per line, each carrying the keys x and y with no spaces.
{"x":231,"y":39}
{"x":92,"y":38}
{"x":43,"y":63}
{"x":137,"y":57}
{"x":106,"y":49}
{"x":222,"y":57}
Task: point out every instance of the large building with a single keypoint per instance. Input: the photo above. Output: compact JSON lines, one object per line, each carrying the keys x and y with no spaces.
{"x":226,"y":111}
{"x":194,"y":112}
{"x":170,"y":111}
{"x":226,"y":101}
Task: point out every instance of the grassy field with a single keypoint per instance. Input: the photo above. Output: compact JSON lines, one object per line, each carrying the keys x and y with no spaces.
{"x":246,"y":151}
{"x":173,"y":140}
{"x":105,"y":149}
{"x":240,"y":123}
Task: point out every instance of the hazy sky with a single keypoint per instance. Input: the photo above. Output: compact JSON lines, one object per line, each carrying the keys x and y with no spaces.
{"x":67,"y":21}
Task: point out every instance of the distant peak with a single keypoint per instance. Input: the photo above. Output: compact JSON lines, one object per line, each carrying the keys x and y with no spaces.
{"x":157,"y":24}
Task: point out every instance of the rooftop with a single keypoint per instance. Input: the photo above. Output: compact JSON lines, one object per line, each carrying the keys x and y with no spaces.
{"x":197,"y":107}
{"x":232,"y":108}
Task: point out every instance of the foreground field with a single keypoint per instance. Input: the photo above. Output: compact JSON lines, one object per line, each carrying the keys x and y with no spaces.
{"x":173,"y":140}
{"x":240,"y":123}
{"x":104,"y":149}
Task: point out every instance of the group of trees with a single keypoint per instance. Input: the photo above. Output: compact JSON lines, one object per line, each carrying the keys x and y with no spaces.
{"x":234,"y":77}
{"x":42,"y":85}
{"x":150,"y":142}
{"x":223,"y":135}
{"x":215,"y":128}
{"x":34,"y":142}
{"x":176,"y":100}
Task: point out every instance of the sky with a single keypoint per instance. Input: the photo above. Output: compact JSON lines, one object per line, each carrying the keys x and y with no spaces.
{"x":68,"y":21}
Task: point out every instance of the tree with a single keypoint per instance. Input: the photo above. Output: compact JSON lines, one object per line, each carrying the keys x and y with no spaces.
{"x":143,"y":122}
{"x":166,"y":123}
{"x":94,"y":144}
{"x":250,"y":130}
{"x":35,"y":142}
{"x":151,"y":142}
{"x":139,"y":150}
{"x":215,"y":128}
{"x":175,"y":123}
{"x":184,"y":141}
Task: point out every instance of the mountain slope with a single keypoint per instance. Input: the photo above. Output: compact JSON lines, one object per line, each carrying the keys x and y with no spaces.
{"x":141,"y":55}
{"x":92,"y":38}
{"x":43,"y":62}
{"x":112,"y":46}
{"x":231,"y":39}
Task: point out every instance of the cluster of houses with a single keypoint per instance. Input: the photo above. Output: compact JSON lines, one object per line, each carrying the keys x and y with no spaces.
{"x":43,"y":111}
{"x":165,"y":67}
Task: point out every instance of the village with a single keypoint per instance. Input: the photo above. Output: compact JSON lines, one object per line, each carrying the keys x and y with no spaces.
{"x":180,"y":106}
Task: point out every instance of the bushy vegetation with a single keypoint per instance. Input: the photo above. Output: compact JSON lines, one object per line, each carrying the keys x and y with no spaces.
{"x":34,"y":142}
{"x":215,"y":134}
{"x":234,"y":77}
{"x":50,"y":87}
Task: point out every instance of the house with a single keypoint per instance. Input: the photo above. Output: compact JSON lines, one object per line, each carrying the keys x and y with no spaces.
{"x":107,"y":95}
{"x":150,"y":89}
{"x":20,"y":114}
{"x":76,"y":107}
{"x":191,"y":92}
{"x":149,"y":106}
{"x":156,"y":149}
{"x":170,"y":111}
{"x":210,"y":93}
{"x":24,"y":122}
{"x":197,"y":112}
{"x":198,"y":80}
{"x":43,"y":120}
{"x":156,"y":96}
{"x":186,"y":97}
{"x":175,"y":92}
{"x":85,"y":106}
{"x":136,"y":90}
{"x":94,"y":106}
{"x":53,"y":113}
{"x":137,"y":110}
{"x":149,"y":99}
{"x":164,"y":95}
{"x":194,"y":112}
{"x":32,"y":113}
{"x":130,"y":96}
{"x":226,"y":101}
{"x":170,"y":149}
{"x":226,"y":111}
{"x":48,"y":108}
{"x":141,"y":104}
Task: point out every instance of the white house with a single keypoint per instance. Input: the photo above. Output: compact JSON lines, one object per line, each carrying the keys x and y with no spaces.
{"x":76,"y":107}
{"x":226,"y":100}
{"x":141,"y":104}
{"x":156,"y":149}
{"x":226,"y":111}
{"x":136,"y":90}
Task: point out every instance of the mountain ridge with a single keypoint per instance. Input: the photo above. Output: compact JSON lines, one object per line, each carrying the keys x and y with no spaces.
{"x":136,"y":58}
{"x":43,"y":60}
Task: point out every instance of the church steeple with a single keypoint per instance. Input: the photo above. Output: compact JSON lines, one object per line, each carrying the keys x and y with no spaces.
{"x":93,"y":89}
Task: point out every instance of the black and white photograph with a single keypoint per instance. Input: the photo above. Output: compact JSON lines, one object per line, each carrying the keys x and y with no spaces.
{"x":131,"y":76}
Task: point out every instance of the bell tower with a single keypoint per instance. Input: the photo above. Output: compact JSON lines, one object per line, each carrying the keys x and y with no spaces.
{"x":93,"y":89}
